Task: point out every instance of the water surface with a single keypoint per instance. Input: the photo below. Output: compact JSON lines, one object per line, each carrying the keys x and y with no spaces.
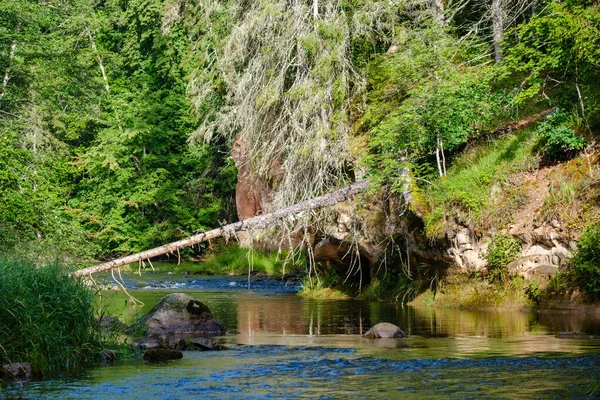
{"x":286,"y":346}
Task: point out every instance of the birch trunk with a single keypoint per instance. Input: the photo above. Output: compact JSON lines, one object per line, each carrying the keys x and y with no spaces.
{"x":258,"y":222}
{"x":102,"y":70}
{"x":438,"y":9}
{"x":11,"y":57}
{"x":498,"y":29}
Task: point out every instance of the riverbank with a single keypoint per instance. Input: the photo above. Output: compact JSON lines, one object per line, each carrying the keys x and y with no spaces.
{"x":228,"y":259}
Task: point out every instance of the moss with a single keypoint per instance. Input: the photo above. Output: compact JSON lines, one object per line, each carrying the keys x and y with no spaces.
{"x":472,"y":293}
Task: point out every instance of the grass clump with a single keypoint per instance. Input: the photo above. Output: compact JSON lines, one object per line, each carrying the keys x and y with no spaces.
{"x":595,"y":388}
{"x":233,"y":259}
{"x":47,"y":317}
{"x":464,"y":293}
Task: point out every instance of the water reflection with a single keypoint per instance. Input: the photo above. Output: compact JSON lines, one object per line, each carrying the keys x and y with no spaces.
{"x":268,"y":314}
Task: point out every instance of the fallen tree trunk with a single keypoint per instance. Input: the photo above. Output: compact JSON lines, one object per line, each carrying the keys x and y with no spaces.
{"x":258,"y":222}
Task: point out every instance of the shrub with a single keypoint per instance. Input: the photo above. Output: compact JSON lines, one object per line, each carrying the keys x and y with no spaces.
{"x":556,"y":140}
{"x":47,"y":317}
{"x":502,"y":251}
{"x":586,"y":261}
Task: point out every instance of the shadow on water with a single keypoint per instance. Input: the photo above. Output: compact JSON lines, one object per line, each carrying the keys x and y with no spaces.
{"x":286,"y":346}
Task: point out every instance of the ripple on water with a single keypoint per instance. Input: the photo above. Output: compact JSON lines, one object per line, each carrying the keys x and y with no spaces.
{"x":291,"y":372}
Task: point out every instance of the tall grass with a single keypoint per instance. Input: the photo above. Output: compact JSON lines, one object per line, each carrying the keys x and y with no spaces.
{"x":46,"y":316}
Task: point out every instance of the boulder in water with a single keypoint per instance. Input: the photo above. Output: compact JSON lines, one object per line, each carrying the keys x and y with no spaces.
{"x":158,"y":355}
{"x":180,"y":314}
{"x":385,"y":330}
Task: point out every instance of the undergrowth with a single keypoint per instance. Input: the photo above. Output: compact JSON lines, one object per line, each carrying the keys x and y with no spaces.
{"x":47,"y":317}
{"x":503,"y":249}
{"x":231,"y":259}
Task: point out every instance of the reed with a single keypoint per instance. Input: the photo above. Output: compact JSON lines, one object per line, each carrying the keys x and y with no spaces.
{"x":46,"y":316}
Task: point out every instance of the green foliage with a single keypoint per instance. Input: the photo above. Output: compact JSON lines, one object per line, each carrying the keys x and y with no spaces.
{"x":47,"y":317}
{"x":503,"y":249}
{"x":533,"y":291}
{"x":95,"y":165}
{"x":556,"y":140}
{"x":554,"y":56}
{"x":559,"y":284}
{"x":421,"y":95}
{"x":586,"y":261}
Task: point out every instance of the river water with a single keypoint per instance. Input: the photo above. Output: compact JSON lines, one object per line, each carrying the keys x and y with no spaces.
{"x":285,"y":346}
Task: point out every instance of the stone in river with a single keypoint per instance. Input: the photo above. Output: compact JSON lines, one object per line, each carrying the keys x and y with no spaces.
{"x":385,"y":330}
{"x":180,"y":314}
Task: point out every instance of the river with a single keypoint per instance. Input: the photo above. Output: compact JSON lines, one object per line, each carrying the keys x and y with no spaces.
{"x":285,"y":346}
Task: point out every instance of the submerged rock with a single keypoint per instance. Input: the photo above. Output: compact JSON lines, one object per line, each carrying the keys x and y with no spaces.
{"x":203,"y":344}
{"x":180,"y":314}
{"x":157,"y":355}
{"x":107,"y":356}
{"x":147,"y":343}
{"x":16,"y":371}
{"x":573,"y":335}
{"x":385,"y":330}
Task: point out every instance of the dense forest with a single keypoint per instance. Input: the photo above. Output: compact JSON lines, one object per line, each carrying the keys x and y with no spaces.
{"x":118,"y":118}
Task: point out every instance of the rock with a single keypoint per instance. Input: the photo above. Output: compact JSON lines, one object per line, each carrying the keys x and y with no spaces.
{"x":111,"y":324}
{"x":179,"y":314}
{"x":538,"y":250}
{"x":555,"y":224}
{"x":561,"y":252}
{"x":158,"y":355}
{"x":463,"y":238}
{"x":203,"y":344}
{"x":385,"y":330}
{"x":573,"y":335}
{"x":472,"y":260}
{"x":147,"y":343}
{"x":16,"y":371}
{"x":107,"y":356}
{"x":547,"y":270}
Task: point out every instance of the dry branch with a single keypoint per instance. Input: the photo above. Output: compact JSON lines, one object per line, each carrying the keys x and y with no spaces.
{"x":258,"y":222}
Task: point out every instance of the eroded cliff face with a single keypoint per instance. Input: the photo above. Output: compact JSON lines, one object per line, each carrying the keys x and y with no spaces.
{"x":251,"y":194}
{"x":543,"y":251}
{"x":381,"y":229}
